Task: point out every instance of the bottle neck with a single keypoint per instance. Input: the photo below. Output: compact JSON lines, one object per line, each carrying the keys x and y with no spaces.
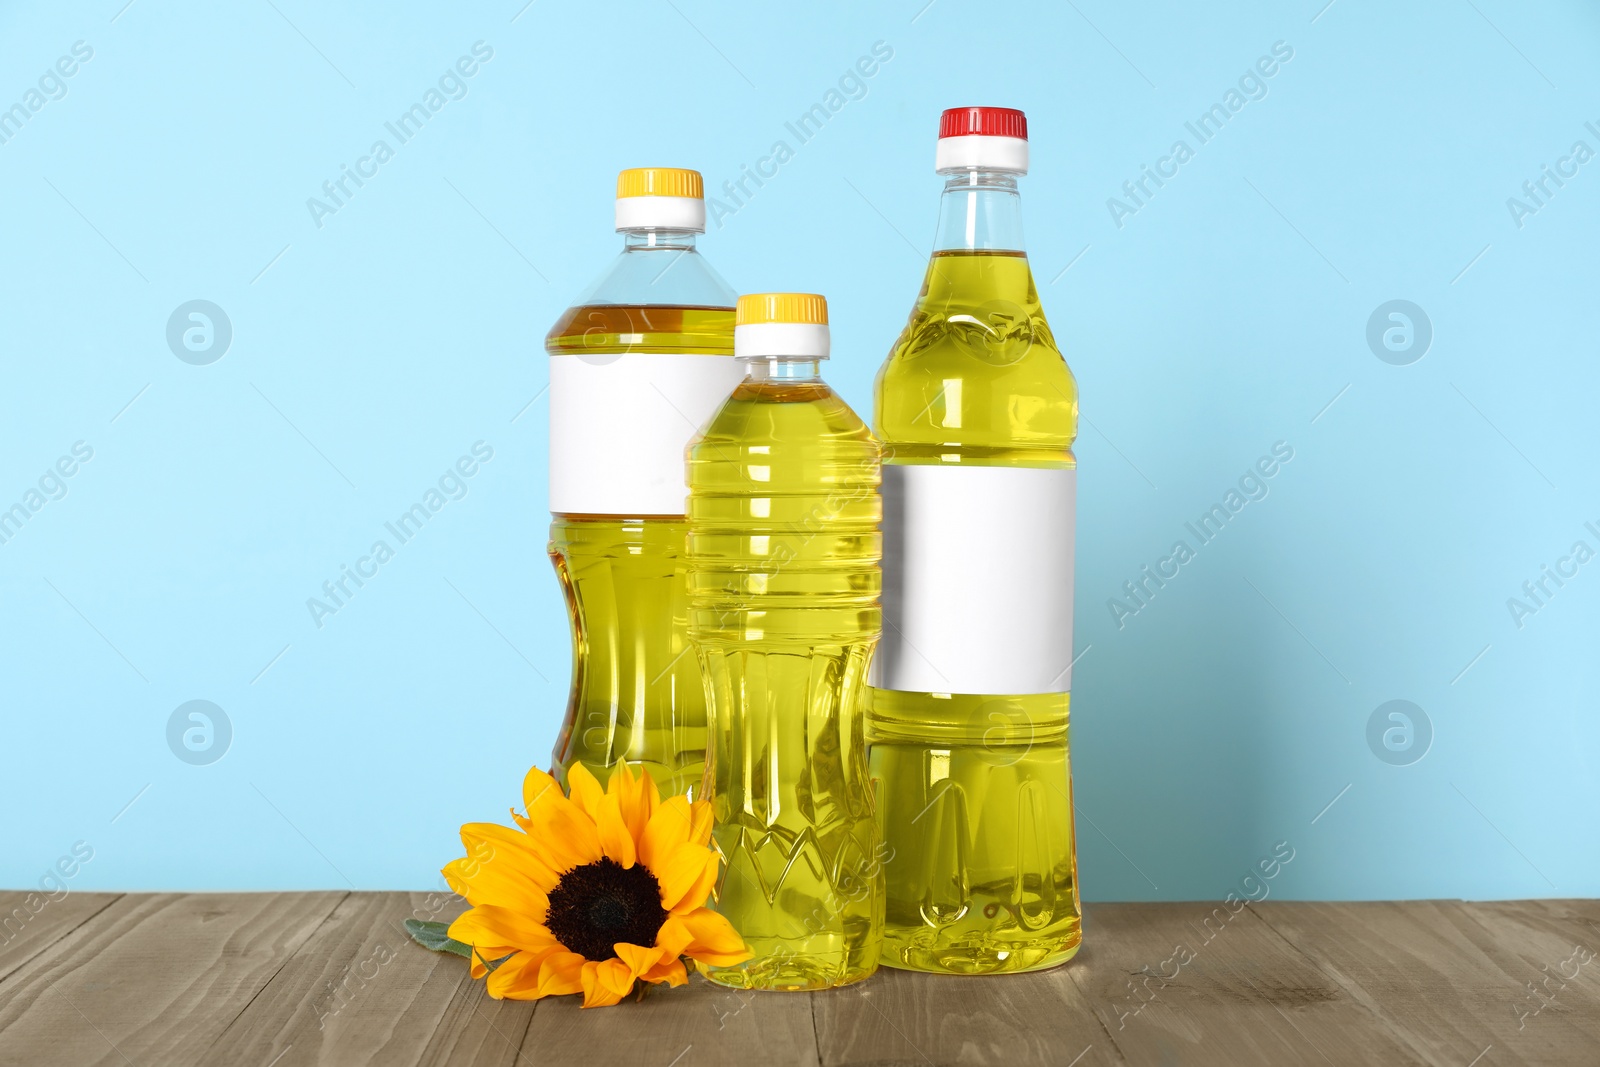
{"x":782,"y":368}
{"x":980,"y":211}
{"x":658,"y":240}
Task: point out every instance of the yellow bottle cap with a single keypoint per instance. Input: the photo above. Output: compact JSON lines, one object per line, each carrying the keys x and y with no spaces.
{"x":781,"y":325}
{"x":660,"y":181}
{"x":757,"y":308}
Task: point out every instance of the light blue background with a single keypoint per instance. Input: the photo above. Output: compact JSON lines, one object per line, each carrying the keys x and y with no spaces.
{"x":373,"y":351}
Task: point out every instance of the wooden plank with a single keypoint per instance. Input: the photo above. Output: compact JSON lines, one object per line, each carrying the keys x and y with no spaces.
{"x":31,"y":923}
{"x":1451,"y":977}
{"x":359,"y":990}
{"x":700,"y":1024}
{"x":329,"y":978}
{"x":1201,"y":984}
{"x":909,"y":1017}
{"x":476,"y":1029}
{"x":152,"y":979}
{"x":1554,"y":922}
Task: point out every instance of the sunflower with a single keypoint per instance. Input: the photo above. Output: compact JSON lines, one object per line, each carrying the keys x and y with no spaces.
{"x":592,"y":892}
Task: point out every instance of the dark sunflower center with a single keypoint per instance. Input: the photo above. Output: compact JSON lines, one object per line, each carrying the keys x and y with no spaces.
{"x":596,"y":905}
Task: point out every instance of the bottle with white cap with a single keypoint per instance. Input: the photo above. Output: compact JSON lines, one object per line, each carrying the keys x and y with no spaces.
{"x":784,"y":584}
{"x":970,"y":686}
{"x":637,"y":363}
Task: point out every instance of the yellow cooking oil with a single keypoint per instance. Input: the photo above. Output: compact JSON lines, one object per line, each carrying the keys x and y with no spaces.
{"x":784,"y":580}
{"x":975,"y":791}
{"x":636,"y":692}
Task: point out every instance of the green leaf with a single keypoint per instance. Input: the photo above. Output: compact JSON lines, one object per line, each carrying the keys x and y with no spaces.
{"x":436,"y":937}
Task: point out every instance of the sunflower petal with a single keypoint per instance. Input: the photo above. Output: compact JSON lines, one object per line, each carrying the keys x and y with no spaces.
{"x":586,"y":791}
{"x":516,"y":978}
{"x":561,"y":973}
{"x":669,"y":827}
{"x":487,"y":924}
{"x":715,"y":940}
{"x":492,"y":847}
{"x":637,"y":796}
{"x":616,"y":976}
{"x":501,"y":884}
{"x":698,"y":891}
{"x":683,"y":871}
{"x":615,"y":840}
{"x":700,"y":819}
{"x":638,"y":960}
{"x":557,"y":828}
{"x":605,"y":983}
{"x":510,"y":881}
{"x":674,"y":937}
{"x":536,"y":786}
{"x":622,"y":780}
{"x":670,"y":971}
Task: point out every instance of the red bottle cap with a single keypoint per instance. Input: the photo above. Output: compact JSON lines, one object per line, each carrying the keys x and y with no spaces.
{"x":983,"y":122}
{"x":982,"y":138}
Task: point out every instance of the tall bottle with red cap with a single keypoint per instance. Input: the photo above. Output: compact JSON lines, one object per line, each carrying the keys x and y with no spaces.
{"x":969,"y":693}
{"x":637,"y":363}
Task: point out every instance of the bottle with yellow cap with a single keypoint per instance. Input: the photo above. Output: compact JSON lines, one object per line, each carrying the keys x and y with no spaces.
{"x":637,"y":363}
{"x":784,"y":584}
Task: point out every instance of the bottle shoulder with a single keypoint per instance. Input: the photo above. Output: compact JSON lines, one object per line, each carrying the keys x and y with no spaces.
{"x":662,"y":299}
{"x":787,"y":421}
{"x":977,"y":365}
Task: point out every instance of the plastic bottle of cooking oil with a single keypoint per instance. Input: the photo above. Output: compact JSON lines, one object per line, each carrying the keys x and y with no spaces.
{"x":636,"y":365}
{"x":968,"y":705}
{"x":784,"y":584}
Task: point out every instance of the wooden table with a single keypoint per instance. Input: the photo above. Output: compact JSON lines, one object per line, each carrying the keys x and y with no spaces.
{"x":284,"y":979}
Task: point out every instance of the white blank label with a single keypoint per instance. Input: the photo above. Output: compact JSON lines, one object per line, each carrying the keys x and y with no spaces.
{"x":977,"y":580}
{"x":619,"y":425}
